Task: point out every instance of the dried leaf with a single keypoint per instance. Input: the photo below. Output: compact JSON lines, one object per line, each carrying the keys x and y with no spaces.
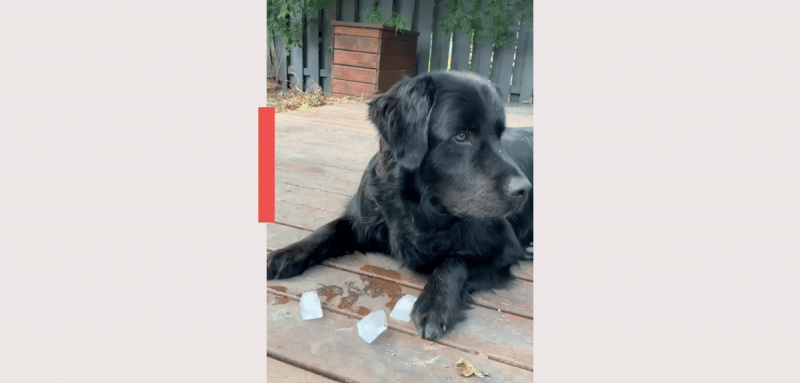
{"x":465,"y":368}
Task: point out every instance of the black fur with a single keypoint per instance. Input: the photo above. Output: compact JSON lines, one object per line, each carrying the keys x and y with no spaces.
{"x":448,"y":193}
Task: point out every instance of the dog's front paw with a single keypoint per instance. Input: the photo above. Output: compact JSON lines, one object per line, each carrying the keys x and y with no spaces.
{"x":286,"y":263}
{"x":431,"y":318}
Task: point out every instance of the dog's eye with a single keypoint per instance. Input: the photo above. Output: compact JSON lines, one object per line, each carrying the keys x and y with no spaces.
{"x":461,"y":137}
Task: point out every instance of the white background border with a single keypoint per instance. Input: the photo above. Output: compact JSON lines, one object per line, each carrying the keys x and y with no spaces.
{"x":667,"y":187}
{"x":666,"y":191}
{"x":129,"y":242}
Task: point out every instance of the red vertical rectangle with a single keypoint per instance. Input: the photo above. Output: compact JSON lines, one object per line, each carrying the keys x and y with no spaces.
{"x":266,"y":164}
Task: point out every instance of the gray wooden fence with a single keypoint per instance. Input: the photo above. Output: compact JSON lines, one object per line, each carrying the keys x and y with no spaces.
{"x":509,"y":66}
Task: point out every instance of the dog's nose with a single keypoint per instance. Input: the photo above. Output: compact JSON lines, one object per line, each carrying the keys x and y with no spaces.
{"x":518,"y":186}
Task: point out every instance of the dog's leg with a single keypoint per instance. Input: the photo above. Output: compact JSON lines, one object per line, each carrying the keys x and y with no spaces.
{"x":331,"y":240}
{"x":441,"y":303}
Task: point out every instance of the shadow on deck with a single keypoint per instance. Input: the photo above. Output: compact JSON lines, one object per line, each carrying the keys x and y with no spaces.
{"x":320,"y":156}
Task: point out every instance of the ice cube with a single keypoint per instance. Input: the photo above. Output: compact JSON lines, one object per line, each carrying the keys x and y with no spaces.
{"x":309,"y":305}
{"x":529,"y":249}
{"x":372,"y":325}
{"x":402,"y":310}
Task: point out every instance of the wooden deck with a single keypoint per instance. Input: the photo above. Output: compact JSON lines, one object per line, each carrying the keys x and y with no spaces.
{"x":320,"y":156}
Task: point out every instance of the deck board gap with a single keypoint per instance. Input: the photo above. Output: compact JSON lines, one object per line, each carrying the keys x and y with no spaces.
{"x":309,"y":368}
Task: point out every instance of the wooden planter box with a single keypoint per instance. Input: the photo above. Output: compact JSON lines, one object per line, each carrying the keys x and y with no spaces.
{"x":369,"y":58}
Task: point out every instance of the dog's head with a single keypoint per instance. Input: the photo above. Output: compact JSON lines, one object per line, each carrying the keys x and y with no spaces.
{"x":446,"y":128}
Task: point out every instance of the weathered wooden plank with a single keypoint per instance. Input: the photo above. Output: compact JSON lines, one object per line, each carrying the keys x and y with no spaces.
{"x":461,"y":51}
{"x":300,"y":169}
{"x":351,"y":117}
{"x":325,"y":155}
{"x":347,"y":10}
{"x":280,"y":372}
{"x":406,"y":9}
{"x":357,"y":128}
{"x":306,"y":217}
{"x":310,"y":197}
{"x":362,"y":60}
{"x":503,"y":65}
{"x":296,"y":70}
{"x":359,"y":151}
{"x":350,"y":73}
{"x":523,"y":44}
{"x":366,"y":145}
{"x":281,"y":57}
{"x":350,"y":88}
{"x":359,"y":135}
{"x":332,"y":343}
{"x":386,"y":7}
{"x":330,"y":185}
{"x":321,"y":150}
{"x":441,"y":41}
{"x":526,"y":90}
{"x":353,"y":31}
{"x":462,"y":45}
{"x":279,"y":236}
{"x":312,"y":47}
{"x":423,"y":22}
{"x":294,"y":155}
{"x":363,"y":9}
{"x":328,"y":15}
{"x":503,"y":337}
{"x":357,"y":43}
{"x":482,"y":52}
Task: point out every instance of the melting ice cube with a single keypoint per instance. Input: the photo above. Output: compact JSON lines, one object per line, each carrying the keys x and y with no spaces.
{"x":372,"y":325}
{"x":402,"y":310}
{"x":309,"y":305}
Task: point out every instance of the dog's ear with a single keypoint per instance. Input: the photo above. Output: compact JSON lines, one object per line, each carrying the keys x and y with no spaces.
{"x":401,"y":116}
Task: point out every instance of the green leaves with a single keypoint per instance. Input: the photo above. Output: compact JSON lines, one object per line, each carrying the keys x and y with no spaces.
{"x":374,"y":15}
{"x":282,"y":16}
{"x":492,"y":21}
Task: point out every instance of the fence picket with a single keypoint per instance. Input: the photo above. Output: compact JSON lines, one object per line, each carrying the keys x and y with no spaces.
{"x":502,"y":65}
{"x":526,"y":90}
{"x":441,"y":40}
{"x":406,"y":9}
{"x":482,"y":51}
{"x":328,"y":15}
{"x":312,"y":63}
{"x":424,"y":24}
{"x":519,"y":64}
{"x":347,"y":11}
{"x":296,"y":69}
{"x":386,"y":7}
{"x":281,"y":56}
{"x":461,"y":46}
{"x":363,"y":9}
{"x":311,"y":70}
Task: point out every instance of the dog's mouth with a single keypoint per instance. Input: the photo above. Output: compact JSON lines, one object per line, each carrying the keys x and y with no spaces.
{"x":482,"y":205}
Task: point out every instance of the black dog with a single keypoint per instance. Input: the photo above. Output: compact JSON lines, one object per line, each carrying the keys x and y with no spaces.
{"x":448,"y":193}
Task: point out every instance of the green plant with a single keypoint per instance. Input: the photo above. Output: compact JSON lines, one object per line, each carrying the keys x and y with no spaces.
{"x":374,"y":15}
{"x":281,"y":12}
{"x":492,"y":21}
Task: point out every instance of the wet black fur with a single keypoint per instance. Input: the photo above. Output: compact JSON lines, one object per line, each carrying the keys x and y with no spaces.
{"x":456,"y":207}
